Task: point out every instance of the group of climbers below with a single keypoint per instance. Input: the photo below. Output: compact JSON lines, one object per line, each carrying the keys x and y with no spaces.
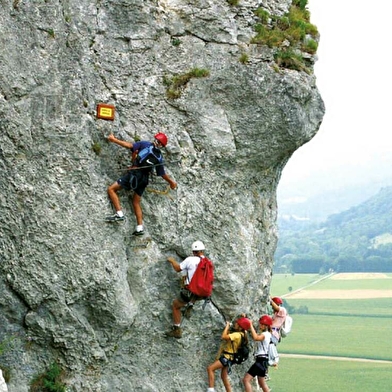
{"x":226,"y":354}
{"x":270,"y":328}
{"x":145,"y":156}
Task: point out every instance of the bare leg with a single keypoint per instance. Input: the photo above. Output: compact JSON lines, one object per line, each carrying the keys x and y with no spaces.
{"x":112,"y":192}
{"x":263,"y":384}
{"x":225,"y":378}
{"x":177,"y":305}
{"x":211,"y":372}
{"x":137,"y":208}
{"x":247,"y":382}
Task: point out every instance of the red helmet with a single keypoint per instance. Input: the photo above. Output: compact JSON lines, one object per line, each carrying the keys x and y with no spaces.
{"x":277,"y":300}
{"x":266,"y":320}
{"x":244,"y":323}
{"x":162,"y":138}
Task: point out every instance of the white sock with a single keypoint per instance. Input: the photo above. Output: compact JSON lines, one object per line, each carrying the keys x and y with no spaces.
{"x":120,"y":213}
{"x":177,"y":325}
{"x":139,"y":228}
{"x":211,"y":390}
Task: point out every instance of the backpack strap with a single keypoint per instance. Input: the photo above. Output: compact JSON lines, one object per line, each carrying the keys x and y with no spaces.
{"x":187,"y":276}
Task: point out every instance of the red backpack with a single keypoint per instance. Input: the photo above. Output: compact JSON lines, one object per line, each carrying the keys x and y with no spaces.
{"x":202,"y":279}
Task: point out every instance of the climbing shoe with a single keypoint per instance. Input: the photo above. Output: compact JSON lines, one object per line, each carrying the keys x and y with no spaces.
{"x":140,"y":232}
{"x":175,"y":332}
{"x":188,"y":311}
{"x":115,"y":218}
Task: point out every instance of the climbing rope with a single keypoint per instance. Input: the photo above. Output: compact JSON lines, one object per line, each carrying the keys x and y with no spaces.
{"x":158,"y":192}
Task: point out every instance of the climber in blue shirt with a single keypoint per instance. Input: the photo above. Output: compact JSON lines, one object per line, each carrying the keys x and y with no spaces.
{"x":145,"y":156}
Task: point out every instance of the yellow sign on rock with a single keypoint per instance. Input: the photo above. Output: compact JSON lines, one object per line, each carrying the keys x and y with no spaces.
{"x":105,"y":111}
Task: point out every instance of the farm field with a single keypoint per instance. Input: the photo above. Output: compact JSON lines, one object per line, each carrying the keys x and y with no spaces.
{"x":336,"y":327}
{"x":320,"y":375}
{"x":382,"y":307}
{"x":281,"y":283}
{"x":339,"y":336}
{"x":354,"y":286}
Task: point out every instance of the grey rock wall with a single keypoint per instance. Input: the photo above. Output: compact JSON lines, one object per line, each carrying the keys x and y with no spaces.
{"x":76,"y":290}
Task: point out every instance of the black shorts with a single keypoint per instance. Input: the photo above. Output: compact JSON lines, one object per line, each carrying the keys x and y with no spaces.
{"x":259,"y":368}
{"x":136,"y":180}
{"x":187,"y":296}
{"x":224,"y":361}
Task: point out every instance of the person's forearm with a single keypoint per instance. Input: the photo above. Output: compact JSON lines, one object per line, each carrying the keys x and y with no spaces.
{"x":171,"y":182}
{"x":253,"y":332}
{"x":121,"y":143}
{"x":176,"y":266}
{"x":225,"y":333}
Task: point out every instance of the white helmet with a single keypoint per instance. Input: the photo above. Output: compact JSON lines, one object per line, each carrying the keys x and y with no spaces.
{"x":198,"y":245}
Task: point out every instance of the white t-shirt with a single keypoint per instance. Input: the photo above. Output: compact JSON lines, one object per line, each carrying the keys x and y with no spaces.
{"x":3,"y":386}
{"x":262,"y":346}
{"x":188,"y":267}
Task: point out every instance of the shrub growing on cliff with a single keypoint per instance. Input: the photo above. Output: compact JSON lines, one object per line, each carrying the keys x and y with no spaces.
{"x":263,"y":15}
{"x":6,"y":344}
{"x":291,"y":60}
{"x":50,"y":381}
{"x":310,"y":46}
{"x":300,"y":3}
{"x":176,"y":84}
{"x":292,"y":29}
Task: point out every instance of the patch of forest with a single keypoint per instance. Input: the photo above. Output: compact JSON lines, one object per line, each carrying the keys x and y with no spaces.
{"x":356,"y":240}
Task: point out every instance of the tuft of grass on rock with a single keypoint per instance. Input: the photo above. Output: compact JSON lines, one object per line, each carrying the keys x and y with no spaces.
{"x":244,"y":58}
{"x":290,"y":60}
{"x":176,"y":42}
{"x":97,"y":148}
{"x":49,"y":381}
{"x":177,"y":83}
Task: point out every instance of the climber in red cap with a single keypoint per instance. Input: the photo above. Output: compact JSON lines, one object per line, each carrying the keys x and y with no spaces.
{"x":260,"y":368}
{"x":278,"y":317}
{"x":225,"y":357}
{"x":145,"y":157}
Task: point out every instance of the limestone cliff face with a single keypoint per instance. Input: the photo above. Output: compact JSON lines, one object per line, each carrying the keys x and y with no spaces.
{"x":76,"y":290}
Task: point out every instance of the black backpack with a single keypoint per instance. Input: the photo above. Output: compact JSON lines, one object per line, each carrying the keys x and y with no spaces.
{"x":149,"y":157}
{"x":242,"y":353}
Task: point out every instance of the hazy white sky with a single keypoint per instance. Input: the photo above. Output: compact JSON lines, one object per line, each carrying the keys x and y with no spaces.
{"x":355,"y":80}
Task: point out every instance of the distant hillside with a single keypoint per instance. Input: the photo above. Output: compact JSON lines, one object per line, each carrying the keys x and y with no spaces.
{"x":320,"y":195}
{"x":358,"y":239}
{"x":317,"y":208}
